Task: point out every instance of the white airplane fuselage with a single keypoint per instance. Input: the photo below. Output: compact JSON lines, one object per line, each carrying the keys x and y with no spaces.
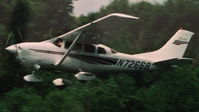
{"x":71,"y":52}
{"x":98,"y":58}
{"x":45,"y":54}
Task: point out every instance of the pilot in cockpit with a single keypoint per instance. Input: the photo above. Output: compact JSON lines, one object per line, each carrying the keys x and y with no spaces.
{"x":58,"y":42}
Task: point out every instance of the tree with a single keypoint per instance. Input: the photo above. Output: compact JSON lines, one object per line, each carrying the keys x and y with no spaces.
{"x":176,"y":91}
{"x":157,"y":91}
{"x":48,"y":20}
{"x":20,"y":19}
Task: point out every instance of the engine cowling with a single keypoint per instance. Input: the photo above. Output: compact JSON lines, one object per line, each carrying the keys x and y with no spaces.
{"x":85,"y":76}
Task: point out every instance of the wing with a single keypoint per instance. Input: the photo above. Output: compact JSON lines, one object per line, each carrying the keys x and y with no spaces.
{"x":93,"y":30}
{"x":96,"y":27}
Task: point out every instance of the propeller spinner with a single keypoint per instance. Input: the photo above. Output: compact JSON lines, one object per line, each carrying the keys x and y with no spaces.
{"x":12,"y":49}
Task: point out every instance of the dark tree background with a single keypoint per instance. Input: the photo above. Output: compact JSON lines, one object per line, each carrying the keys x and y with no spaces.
{"x":172,"y":90}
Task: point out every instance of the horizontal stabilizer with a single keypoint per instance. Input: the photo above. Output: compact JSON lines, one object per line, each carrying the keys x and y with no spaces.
{"x":174,"y":62}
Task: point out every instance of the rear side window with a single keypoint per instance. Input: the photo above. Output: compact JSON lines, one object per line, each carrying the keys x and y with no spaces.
{"x":101,"y":50}
{"x":89,"y":48}
{"x":77,"y":47}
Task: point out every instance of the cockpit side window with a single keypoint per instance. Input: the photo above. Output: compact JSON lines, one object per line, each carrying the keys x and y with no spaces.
{"x":101,"y":50}
{"x":89,"y":48}
{"x":67,"y":44}
{"x":77,"y":46}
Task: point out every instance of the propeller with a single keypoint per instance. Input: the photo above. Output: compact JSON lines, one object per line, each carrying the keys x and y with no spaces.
{"x":8,"y":40}
{"x":15,"y":49}
{"x":15,"y":35}
{"x":11,"y":39}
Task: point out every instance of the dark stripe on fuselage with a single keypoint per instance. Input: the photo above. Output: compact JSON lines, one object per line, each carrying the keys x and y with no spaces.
{"x":95,"y":59}
{"x":47,"y":51}
{"x":85,"y":58}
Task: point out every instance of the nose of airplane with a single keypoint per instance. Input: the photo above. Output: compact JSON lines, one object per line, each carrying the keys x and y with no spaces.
{"x":12,"y":49}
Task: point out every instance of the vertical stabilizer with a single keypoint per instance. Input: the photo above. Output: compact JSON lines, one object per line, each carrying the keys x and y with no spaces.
{"x":174,"y":48}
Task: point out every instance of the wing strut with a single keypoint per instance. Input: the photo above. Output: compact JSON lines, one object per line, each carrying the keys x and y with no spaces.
{"x":59,"y":62}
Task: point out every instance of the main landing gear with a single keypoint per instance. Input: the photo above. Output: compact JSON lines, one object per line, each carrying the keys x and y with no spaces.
{"x":62,"y":83}
{"x":32,"y":77}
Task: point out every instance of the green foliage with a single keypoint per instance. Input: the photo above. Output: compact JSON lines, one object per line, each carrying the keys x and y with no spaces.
{"x":34,"y":104}
{"x":177,"y":90}
{"x":121,"y":6}
{"x":33,"y":20}
{"x":153,"y":91}
{"x":15,"y":99}
{"x":3,"y":33}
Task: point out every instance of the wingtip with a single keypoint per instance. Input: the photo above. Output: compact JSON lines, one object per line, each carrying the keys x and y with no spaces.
{"x":124,"y":15}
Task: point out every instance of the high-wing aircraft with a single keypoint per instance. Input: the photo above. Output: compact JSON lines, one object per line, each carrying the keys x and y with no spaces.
{"x":85,"y":56}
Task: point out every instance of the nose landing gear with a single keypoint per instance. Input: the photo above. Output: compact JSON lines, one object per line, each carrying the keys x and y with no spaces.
{"x":32,"y":77}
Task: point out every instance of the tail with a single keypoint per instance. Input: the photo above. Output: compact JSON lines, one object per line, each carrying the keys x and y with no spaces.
{"x":173,"y":49}
{"x":177,"y":45}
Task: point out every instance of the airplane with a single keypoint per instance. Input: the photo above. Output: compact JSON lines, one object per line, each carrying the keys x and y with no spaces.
{"x":73,"y":52}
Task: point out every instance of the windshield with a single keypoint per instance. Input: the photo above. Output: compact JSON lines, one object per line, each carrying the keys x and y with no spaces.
{"x":113,"y":51}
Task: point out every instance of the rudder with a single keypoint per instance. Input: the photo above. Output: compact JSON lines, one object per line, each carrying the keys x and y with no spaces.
{"x":176,"y":46}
